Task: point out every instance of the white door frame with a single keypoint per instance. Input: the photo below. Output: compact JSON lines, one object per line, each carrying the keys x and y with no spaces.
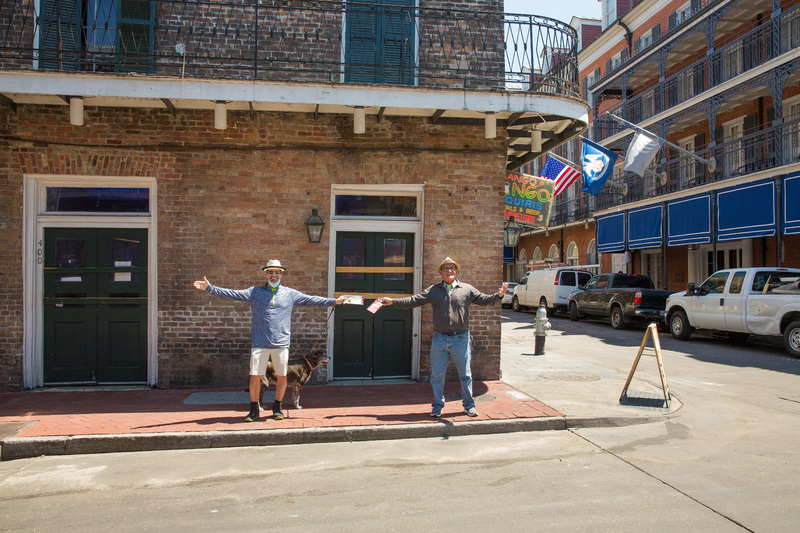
{"x":36,"y":219}
{"x":377,"y":225}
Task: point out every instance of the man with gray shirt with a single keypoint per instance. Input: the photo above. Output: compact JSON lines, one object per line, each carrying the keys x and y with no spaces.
{"x":271,"y":306}
{"x":450,"y":300}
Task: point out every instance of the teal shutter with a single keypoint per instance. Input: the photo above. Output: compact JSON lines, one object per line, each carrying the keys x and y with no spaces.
{"x":361,"y":54}
{"x":380,"y":42}
{"x":59,"y":37}
{"x":134,"y":46}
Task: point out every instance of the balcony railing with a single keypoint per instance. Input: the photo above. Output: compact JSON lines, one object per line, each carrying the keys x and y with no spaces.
{"x":761,"y":150}
{"x":298,"y":41}
{"x":752,"y":49}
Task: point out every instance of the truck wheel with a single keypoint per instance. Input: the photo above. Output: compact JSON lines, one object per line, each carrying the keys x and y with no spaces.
{"x":679,"y":326}
{"x":791,"y":338}
{"x":573,"y":312}
{"x":515,"y":304}
{"x":617,"y":320}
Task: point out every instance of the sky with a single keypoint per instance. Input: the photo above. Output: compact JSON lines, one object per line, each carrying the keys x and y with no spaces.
{"x":562,"y":10}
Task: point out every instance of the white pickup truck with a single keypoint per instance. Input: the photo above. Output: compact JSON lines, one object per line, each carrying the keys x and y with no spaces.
{"x":740,"y":302}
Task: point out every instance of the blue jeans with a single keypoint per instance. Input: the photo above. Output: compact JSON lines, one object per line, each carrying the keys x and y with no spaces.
{"x":459,"y":347}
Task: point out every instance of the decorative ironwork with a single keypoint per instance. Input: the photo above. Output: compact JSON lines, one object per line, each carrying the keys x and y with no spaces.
{"x":298,"y":41}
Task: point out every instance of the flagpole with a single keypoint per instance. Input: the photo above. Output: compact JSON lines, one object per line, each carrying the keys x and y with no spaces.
{"x":711,"y":163}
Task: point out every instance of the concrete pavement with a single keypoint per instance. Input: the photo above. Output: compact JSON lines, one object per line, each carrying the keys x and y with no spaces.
{"x":537,"y":393}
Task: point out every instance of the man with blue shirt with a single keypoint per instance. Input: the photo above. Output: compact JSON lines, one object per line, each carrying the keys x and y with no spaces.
{"x":450,"y":301}
{"x":271,"y":306}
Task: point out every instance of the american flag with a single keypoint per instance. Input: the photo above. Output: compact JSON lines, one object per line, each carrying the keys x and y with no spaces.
{"x":561,"y":173}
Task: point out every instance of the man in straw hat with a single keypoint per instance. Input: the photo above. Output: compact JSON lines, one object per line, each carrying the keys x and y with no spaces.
{"x":271,"y":305}
{"x":450,"y":300}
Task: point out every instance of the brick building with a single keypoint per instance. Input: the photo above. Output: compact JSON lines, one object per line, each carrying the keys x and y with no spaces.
{"x":148,"y":144}
{"x":720,"y":79}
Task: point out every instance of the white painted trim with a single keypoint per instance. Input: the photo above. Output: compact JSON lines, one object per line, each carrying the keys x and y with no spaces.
{"x":375,"y":225}
{"x":35,"y":220}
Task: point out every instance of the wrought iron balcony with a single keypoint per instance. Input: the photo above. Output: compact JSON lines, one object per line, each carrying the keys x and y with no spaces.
{"x":743,"y":53}
{"x":300,"y":41}
{"x":757,"y":151}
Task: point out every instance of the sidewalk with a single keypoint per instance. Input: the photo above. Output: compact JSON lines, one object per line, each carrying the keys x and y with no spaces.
{"x":551,"y":392}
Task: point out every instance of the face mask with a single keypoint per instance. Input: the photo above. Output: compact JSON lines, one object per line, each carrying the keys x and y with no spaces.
{"x":274,"y":284}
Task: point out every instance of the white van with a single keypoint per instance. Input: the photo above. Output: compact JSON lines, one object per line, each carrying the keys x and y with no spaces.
{"x":548,"y":288}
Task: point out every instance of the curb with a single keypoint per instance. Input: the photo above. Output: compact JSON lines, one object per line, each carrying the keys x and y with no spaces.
{"x":26,"y":447}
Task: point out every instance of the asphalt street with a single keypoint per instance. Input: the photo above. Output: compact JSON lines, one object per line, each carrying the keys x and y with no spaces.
{"x":726,"y":460}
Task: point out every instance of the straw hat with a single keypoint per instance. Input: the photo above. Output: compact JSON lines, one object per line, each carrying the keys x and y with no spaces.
{"x":273,"y":264}
{"x":447,"y":261}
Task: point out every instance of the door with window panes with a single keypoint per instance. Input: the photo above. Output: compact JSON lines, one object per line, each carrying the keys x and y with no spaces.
{"x":95,"y":306}
{"x":368,"y":345}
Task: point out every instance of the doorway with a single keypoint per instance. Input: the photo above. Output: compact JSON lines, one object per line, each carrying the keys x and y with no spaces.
{"x":367,"y":345}
{"x":95,"y":306}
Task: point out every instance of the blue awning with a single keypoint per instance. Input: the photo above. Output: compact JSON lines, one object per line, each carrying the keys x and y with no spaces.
{"x":747,"y":211}
{"x":645,"y":227}
{"x":508,"y":255}
{"x":791,"y":204}
{"x":689,"y":221}
{"x":611,"y":233}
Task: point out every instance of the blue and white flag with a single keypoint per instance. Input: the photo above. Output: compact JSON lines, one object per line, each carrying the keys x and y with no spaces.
{"x":598,"y":164}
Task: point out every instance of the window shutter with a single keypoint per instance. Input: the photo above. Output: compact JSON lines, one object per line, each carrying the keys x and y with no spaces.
{"x":623,"y":55}
{"x":656,"y":32}
{"x":608,"y":66}
{"x":60,"y":40}
{"x":673,"y":20}
{"x":398,"y":43}
{"x":134,"y":45}
{"x":361,"y":42}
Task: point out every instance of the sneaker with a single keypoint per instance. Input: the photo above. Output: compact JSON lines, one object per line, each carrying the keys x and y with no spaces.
{"x":471,"y":411}
{"x":277,"y":414}
{"x":253,"y":416}
{"x":436,"y":411}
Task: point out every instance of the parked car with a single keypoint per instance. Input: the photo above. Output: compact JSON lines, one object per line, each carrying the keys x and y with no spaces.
{"x":739,"y":302}
{"x":548,"y":288}
{"x":623,"y":298}
{"x":509,"y":295}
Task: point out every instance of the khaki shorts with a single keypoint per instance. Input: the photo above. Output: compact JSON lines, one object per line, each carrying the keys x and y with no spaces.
{"x":260,"y":356}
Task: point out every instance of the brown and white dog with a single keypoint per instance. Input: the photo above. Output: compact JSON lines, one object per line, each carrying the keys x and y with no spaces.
{"x":296,"y":375}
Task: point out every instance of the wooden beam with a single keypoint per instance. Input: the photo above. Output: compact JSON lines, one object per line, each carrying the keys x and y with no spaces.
{"x":8,"y":102}
{"x":437,"y":115}
{"x":170,"y":106}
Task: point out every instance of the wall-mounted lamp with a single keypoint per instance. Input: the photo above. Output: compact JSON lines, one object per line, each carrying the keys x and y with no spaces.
{"x":585,"y":224}
{"x":536,"y":141}
{"x":76,"y":110}
{"x":314,"y":225}
{"x":220,"y":115}
{"x":511,"y":232}
{"x":490,"y":125}
{"x":359,"y":120}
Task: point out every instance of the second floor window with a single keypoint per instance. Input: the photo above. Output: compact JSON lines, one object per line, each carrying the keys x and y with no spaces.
{"x":96,"y":35}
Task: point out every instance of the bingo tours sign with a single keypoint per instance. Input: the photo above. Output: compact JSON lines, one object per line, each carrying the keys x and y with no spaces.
{"x":529,"y":199}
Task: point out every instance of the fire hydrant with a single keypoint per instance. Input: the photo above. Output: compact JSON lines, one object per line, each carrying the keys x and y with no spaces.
{"x":540,"y":329}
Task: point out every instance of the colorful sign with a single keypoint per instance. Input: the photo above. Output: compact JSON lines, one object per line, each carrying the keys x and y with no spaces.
{"x":529,"y":199}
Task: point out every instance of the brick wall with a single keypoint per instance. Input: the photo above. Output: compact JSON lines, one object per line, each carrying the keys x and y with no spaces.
{"x":229,"y":200}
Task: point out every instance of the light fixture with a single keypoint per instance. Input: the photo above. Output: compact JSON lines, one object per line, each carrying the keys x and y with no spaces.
{"x":76,"y":110}
{"x":314,"y":225}
{"x":359,"y":120}
{"x":490,"y":125}
{"x":220,"y":115}
{"x":511,"y":232}
{"x":536,"y":141}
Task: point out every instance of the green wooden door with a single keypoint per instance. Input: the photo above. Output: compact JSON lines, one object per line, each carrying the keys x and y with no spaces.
{"x":95,"y":306}
{"x":370,"y":345}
